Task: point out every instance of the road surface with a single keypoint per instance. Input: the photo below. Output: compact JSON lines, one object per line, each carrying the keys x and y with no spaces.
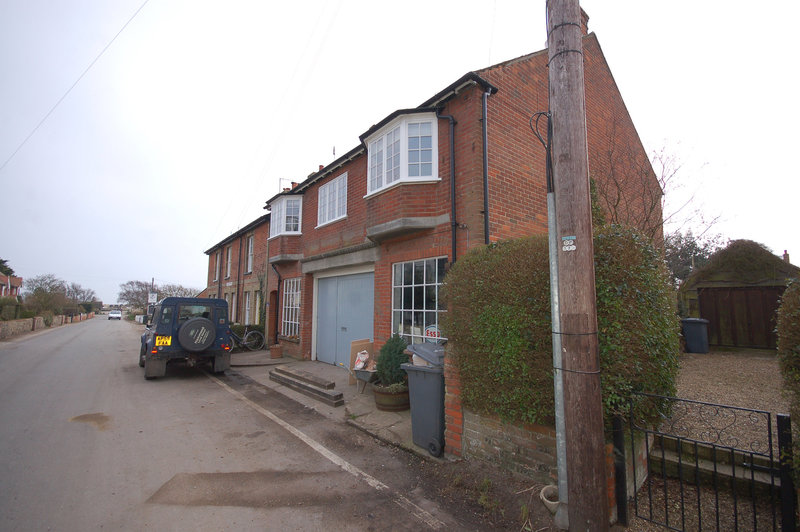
{"x":88,"y":444}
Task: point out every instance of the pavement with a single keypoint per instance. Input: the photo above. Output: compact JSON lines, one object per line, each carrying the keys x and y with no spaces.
{"x":359,"y":409}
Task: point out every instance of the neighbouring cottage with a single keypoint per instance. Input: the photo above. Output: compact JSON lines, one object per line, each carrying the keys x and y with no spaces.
{"x":739,"y":293}
{"x":237,"y":272}
{"x":360,"y":248}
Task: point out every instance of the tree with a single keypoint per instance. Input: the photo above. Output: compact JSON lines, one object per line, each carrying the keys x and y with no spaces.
{"x":77,"y":294}
{"x":683,"y":253}
{"x":5,"y":269}
{"x":176,"y":290}
{"x":632,"y":188}
{"x":134,"y":294}
{"x":45,"y":293}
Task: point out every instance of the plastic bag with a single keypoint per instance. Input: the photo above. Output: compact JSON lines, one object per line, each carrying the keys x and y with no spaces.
{"x":361,"y":359}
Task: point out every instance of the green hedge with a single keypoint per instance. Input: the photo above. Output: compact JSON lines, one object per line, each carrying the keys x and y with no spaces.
{"x":788,"y":332}
{"x":499,"y":329}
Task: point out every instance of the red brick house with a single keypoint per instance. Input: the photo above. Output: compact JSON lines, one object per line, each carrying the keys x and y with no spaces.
{"x":237,"y":272}
{"x":359,"y":249}
{"x":10,"y":286}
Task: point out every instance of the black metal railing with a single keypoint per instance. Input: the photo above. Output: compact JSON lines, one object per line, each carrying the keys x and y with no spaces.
{"x":712,"y":467}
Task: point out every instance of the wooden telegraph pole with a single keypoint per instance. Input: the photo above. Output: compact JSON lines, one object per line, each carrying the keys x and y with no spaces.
{"x":583,"y":409}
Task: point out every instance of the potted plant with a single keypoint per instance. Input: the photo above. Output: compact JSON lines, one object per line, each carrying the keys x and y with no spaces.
{"x":391,"y":390}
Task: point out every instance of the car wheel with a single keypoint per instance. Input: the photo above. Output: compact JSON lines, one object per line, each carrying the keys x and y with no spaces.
{"x":141,"y":357}
{"x":197,"y":334}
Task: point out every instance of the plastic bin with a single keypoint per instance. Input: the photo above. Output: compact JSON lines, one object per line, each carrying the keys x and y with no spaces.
{"x":695,"y":332}
{"x":426,"y":395}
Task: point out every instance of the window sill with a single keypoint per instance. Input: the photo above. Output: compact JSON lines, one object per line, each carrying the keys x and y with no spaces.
{"x":331,"y":222}
{"x":292,"y":339}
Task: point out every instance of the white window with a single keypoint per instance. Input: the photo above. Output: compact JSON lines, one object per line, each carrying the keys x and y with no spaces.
{"x":285,"y":217}
{"x":217,"y":258}
{"x":233,"y":308}
{"x":290,"y":325}
{"x":257,"y":308}
{"x":404,"y":150}
{"x":247,"y":310}
{"x":249,"y":254}
{"x":332,"y":201}
{"x":415,"y":299}
{"x":228,"y":262}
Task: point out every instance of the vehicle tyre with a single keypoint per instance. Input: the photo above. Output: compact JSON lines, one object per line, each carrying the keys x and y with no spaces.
{"x":254,"y":340}
{"x":141,"y":356}
{"x":196,"y":335}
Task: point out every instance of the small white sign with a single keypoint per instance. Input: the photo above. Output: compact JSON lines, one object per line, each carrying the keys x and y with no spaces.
{"x":152,"y":297}
{"x":568,"y":243}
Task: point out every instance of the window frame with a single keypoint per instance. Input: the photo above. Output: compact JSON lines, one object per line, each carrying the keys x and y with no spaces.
{"x":405,"y":285}
{"x":338,"y":188}
{"x":290,"y":308}
{"x":228,"y":260}
{"x":249,"y":262}
{"x":279,"y":216}
{"x":217,"y":258}
{"x":389,"y":153}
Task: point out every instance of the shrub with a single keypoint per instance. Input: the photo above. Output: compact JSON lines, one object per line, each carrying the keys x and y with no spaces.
{"x":391,"y":355}
{"x":499,"y":328}
{"x":788,"y":332}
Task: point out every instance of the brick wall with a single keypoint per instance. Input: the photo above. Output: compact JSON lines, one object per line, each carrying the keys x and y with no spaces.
{"x":526,"y":449}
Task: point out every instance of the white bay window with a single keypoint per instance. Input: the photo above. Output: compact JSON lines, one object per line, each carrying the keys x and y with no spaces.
{"x":405,"y":150}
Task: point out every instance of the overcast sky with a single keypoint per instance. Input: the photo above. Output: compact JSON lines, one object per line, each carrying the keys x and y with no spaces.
{"x":131,"y":175}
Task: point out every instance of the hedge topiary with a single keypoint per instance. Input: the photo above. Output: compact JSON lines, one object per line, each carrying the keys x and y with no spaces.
{"x":499,"y":329}
{"x":788,"y":332}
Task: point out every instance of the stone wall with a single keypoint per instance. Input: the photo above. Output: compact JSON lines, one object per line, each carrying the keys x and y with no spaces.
{"x":11,"y":328}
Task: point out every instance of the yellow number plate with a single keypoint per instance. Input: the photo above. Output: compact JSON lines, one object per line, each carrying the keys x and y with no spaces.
{"x":163,"y":340}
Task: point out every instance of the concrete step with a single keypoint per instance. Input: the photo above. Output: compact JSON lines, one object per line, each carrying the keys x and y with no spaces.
{"x":307,"y":384}
{"x":747,"y":470}
{"x":304,"y":376}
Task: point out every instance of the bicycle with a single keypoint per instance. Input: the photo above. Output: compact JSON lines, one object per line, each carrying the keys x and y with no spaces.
{"x":252,"y":340}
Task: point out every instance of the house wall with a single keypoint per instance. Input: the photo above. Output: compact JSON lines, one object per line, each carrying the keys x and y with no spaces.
{"x":517,"y":202}
{"x":240,"y":281}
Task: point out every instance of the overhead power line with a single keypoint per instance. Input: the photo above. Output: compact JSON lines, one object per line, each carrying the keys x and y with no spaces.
{"x":86,"y":70}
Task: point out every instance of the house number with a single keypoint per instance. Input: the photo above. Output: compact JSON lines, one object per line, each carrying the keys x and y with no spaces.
{"x":568,"y":243}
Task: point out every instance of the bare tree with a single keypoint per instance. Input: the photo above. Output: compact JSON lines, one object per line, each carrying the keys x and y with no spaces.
{"x":77,"y":294}
{"x":134,"y":294}
{"x":176,"y":290}
{"x":45,"y":293}
{"x":632,"y":188}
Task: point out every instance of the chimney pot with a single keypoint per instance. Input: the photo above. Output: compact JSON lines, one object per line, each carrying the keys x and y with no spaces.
{"x":785,"y":256}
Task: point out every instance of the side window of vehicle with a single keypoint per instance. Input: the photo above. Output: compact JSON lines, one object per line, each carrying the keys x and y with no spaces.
{"x":166,"y":316}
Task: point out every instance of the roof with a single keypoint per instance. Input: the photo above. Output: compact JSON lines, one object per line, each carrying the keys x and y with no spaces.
{"x":430,"y":105}
{"x":246,"y":229}
{"x":743,"y":263}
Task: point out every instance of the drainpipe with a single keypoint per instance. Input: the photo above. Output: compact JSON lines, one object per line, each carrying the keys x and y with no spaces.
{"x":453,"y":221}
{"x":277,"y":304}
{"x":238,"y":279}
{"x":485,"y":170}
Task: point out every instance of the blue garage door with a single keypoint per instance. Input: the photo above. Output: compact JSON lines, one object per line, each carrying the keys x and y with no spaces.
{"x":344,"y":313}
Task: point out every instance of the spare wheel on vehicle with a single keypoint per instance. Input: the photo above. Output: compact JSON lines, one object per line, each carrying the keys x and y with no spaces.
{"x":197,"y":334}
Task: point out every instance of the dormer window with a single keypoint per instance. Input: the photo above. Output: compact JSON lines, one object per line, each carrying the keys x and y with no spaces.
{"x":286,"y":215}
{"x":405,"y":150}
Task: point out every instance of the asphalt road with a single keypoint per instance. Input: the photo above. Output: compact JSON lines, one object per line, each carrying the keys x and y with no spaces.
{"x":87,"y":444}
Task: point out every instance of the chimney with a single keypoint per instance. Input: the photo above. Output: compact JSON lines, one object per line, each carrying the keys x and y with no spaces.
{"x":321,"y":167}
{"x":786,"y":256}
{"x":294,"y":185}
{"x":584,"y":23}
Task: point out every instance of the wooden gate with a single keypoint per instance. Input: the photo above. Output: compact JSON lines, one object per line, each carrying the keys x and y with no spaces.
{"x":741,"y":317}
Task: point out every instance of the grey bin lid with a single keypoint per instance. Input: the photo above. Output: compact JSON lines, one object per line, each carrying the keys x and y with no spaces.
{"x":431,"y":353}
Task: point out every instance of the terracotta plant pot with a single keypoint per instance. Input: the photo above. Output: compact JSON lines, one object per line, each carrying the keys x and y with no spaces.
{"x":275,"y":351}
{"x":390,"y":401}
